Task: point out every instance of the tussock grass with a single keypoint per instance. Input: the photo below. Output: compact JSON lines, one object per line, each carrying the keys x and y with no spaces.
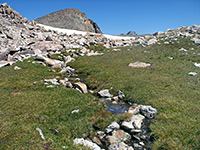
{"x":165,"y":85}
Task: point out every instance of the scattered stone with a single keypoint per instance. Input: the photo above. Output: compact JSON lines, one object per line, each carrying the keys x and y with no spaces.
{"x":197,"y":65}
{"x":137,"y":121}
{"x":50,"y":86}
{"x":86,"y":143}
{"x":97,"y":141}
{"x":17,"y":68}
{"x":69,"y":85}
{"x":49,"y":61}
{"x":127,"y":125}
{"x":112,"y":126}
{"x":118,"y":136}
{"x":192,"y":73}
{"x":136,"y":145}
{"x":121,"y":95}
{"x":81,"y":86}
{"x":75,"y":111}
{"x":182,"y":49}
{"x":41,"y":134}
{"x":53,"y":81}
{"x":105,"y":93}
{"x":115,"y":98}
{"x":134,"y":109}
{"x":16,"y":93}
{"x":101,"y":134}
{"x":148,"y":111}
{"x":120,"y":146}
{"x":94,"y":54}
{"x":139,"y":65}
{"x":64,"y":81}
{"x":170,"y":57}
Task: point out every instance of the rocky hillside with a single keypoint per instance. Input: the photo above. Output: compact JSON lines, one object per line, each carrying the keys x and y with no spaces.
{"x":69,"y":19}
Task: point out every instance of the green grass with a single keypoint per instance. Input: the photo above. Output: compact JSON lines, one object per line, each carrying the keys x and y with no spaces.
{"x":46,"y":108}
{"x":166,"y":86}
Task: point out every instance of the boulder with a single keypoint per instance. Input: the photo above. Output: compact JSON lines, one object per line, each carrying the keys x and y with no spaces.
{"x":51,"y":62}
{"x":134,"y":109}
{"x":139,"y":65}
{"x":137,"y":121}
{"x":148,"y":111}
{"x":112,"y":126}
{"x":81,"y":86}
{"x":105,"y":93}
{"x":127,"y":125}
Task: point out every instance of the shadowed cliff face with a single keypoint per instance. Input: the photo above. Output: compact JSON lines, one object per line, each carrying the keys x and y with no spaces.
{"x":69,"y":19}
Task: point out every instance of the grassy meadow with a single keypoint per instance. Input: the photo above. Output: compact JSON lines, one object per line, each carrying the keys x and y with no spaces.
{"x":26,"y":103}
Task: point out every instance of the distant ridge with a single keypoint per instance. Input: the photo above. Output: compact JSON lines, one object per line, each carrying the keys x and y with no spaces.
{"x":69,"y":19}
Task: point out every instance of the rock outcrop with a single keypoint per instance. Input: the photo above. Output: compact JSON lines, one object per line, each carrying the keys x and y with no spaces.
{"x":69,"y":19}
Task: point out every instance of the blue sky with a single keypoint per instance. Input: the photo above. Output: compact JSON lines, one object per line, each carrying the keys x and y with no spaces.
{"x":120,"y":16}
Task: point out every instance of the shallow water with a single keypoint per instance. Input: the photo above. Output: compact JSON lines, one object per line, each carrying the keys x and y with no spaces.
{"x":116,"y":109}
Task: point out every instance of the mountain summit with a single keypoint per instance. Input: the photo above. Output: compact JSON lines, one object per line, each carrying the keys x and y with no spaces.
{"x":69,"y":19}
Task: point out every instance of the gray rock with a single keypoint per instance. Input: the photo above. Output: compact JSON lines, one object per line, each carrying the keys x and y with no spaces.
{"x":148,"y":111}
{"x":134,"y":109}
{"x":105,"y":93}
{"x":112,"y":126}
{"x":137,"y":121}
{"x":139,"y":65}
{"x":120,"y":146}
{"x":118,"y":136}
{"x":86,"y":143}
{"x":81,"y":86}
{"x":49,"y":61}
{"x":127,"y":125}
{"x":53,"y":81}
{"x":121,"y":95}
{"x":192,"y":73}
{"x":69,"y":85}
{"x":17,"y":68}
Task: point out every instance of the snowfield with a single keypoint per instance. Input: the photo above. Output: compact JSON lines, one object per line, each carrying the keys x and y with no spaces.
{"x":71,"y":32}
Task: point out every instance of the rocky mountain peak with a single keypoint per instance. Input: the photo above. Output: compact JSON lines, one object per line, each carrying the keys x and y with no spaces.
{"x":69,"y":19}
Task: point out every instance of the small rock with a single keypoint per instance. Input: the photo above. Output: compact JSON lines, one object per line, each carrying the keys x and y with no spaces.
{"x":75,"y":111}
{"x":121,"y":95}
{"x":182,"y":49}
{"x":112,"y":126}
{"x":16,"y":93}
{"x":50,"y":86}
{"x":137,"y":120}
{"x":17,"y":68}
{"x":134,"y":109}
{"x":120,"y":146}
{"x":53,"y":81}
{"x":69,"y":85}
{"x":127,"y":125}
{"x":118,"y":136}
{"x":96,"y":140}
{"x":170,"y":57}
{"x":116,"y":98}
{"x":87,"y":143}
{"x":192,"y":73}
{"x":197,"y":65}
{"x":148,"y":111}
{"x":105,"y":93}
{"x":139,"y":65}
{"x":81,"y":86}
{"x":136,"y":145}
